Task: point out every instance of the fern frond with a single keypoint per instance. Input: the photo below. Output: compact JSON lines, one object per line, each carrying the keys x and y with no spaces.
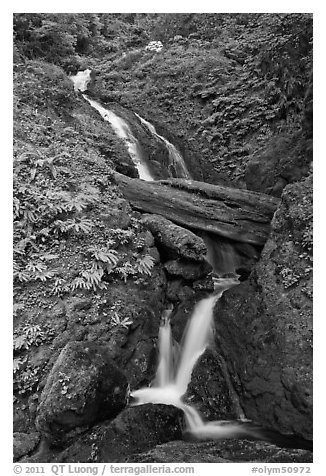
{"x":146,"y":264}
{"x":35,"y":267}
{"x":80,"y":225}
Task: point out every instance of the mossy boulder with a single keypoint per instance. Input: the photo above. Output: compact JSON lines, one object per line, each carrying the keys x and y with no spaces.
{"x":264,"y":325}
{"x":83,"y":387}
{"x":134,"y":430}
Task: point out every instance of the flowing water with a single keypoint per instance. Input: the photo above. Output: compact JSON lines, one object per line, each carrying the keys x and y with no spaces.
{"x":176,"y":362}
{"x":176,"y":365}
{"x":177,"y":167}
{"x":122,"y":129}
{"x":81,"y":80}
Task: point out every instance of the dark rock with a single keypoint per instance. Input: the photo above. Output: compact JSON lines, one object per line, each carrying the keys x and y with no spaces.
{"x":173,"y":240}
{"x":229,"y":451}
{"x":127,"y":169}
{"x":24,"y":443}
{"x":178,"y":291}
{"x":187,"y":270}
{"x":283,"y":161}
{"x":83,"y":387}
{"x":135,"y":429}
{"x":264,"y":325}
{"x":232,"y":213}
{"x":209,"y":391}
{"x":203,"y":286}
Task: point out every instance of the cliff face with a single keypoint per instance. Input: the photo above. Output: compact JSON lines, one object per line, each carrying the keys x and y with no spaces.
{"x":264,"y":325}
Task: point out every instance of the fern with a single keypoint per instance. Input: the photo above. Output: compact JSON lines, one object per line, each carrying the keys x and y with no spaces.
{"x":28,"y":336}
{"x":80,"y":225}
{"x":35,"y":267}
{"x":18,"y":362}
{"x":42,"y":275}
{"x":126,"y":270}
{"x":59,"y":287}
{"x":145,"y":265}
{"x":93,"y":277}
{"x":78,"y":283}
{"x":104,"y":255}
{"x":123,"y":322}
{"x":121,"y":236}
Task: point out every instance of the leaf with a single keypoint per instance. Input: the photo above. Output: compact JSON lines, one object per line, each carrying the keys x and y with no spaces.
{"x":35,"y":267}
{"x":146,"y":264}
{"x":20,"y":342}
{"x":17,"y":363}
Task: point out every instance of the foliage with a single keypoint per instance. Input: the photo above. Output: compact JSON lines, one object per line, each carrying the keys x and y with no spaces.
{"x":145,"y":265}
{"x":104,"y":255}
{"x":30,"y":335}
{"x":120,"y":321}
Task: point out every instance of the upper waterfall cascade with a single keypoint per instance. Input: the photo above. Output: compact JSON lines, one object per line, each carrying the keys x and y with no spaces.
{"x":122,"y":129}
{"x":81,"y":80}
{"x":177,"y":166}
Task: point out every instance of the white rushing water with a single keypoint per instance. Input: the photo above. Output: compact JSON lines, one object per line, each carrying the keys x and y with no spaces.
{"x":174,"y":374}
{"x":122,"y":129}
{"x":119,"y":125}
{"x":81,"y":80}
{"x":177,"y":166}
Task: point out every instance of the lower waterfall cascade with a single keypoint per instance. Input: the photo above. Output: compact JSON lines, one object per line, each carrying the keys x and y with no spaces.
{"x":175,"y":368}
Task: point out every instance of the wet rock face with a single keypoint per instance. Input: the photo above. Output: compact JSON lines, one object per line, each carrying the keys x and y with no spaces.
{"x":135,"y":429}
{"x":230,"y":451}
{"x":208,"y":390}
{"x":83,"y":387}
{"x":264,"y":325}
{"x":187,"y":270}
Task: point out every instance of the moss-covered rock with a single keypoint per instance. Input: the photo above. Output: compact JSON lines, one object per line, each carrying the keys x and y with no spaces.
{"x":231,"y":451}
{"x":84,"y":387}
{"x":135,"y":429}
{"x":264,"y":325}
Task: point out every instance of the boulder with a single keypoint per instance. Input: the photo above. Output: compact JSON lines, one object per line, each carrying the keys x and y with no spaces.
{"x":232,"y":213}
{"x":174,"y":241}
{"x":187,"y":270}
{"x":135,"y":429}
{"x":264,"y":325}
{"x":83,"y":387}
{"x":24,"y":443}
{"x":229,"y":451}
{"x":209,"y":389}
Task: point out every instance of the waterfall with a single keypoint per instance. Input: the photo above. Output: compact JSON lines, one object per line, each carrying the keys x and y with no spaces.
{"x":177,"y":166}
{"x":122,"y":130}
{"x":119,"y":125}
{"x":176,"y":364}
{"x":81,"y":80}
{"x":172,"y":378}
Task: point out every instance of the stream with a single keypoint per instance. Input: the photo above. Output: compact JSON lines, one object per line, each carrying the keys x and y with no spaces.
{"x":176,"y":362}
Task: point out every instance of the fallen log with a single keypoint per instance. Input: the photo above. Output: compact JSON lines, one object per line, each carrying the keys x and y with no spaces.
{"x":236,"y":214}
